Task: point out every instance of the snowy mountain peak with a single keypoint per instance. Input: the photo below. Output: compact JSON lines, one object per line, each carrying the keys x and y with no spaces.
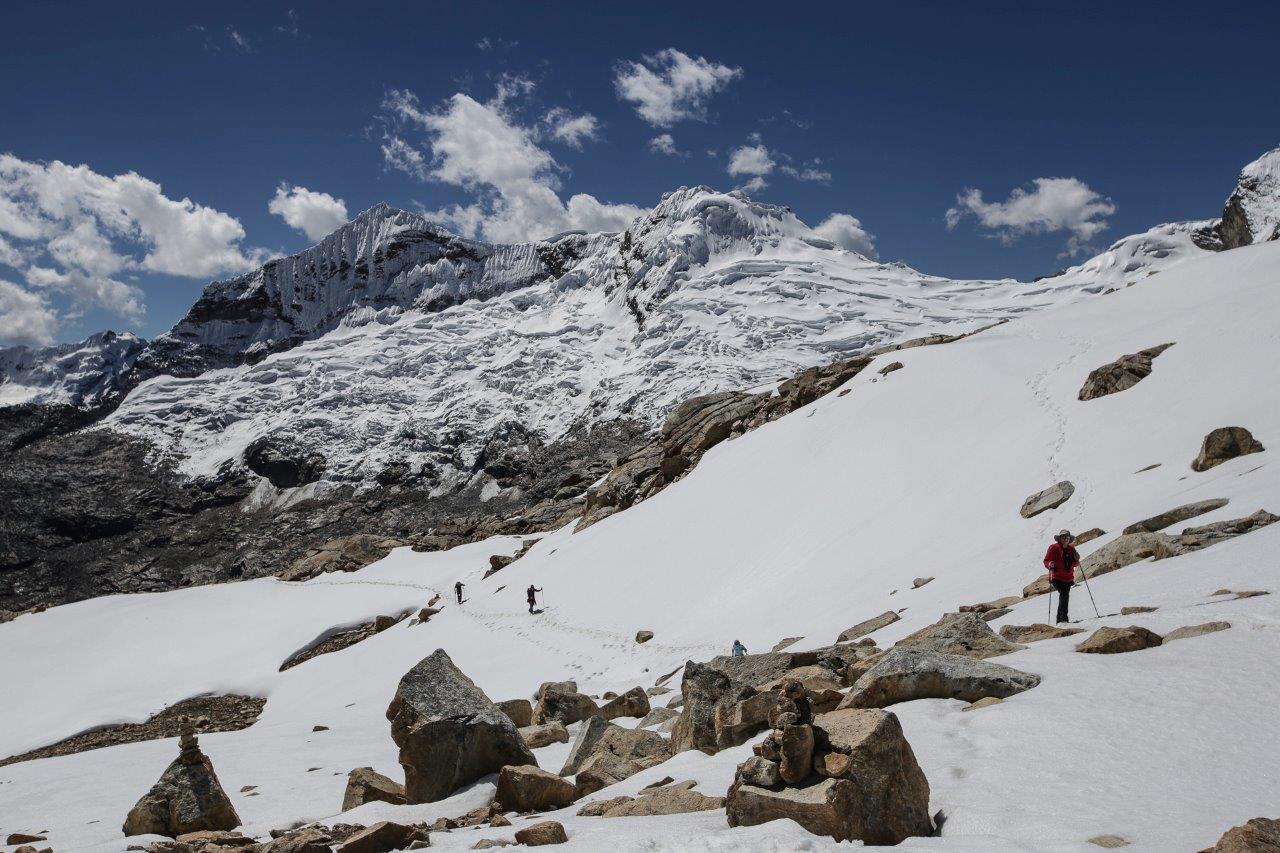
{"x":73,"y":374}
{"x":1252,"y":213}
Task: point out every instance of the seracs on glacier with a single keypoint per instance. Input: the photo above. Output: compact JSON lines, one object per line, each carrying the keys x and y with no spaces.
{"x":710,"y":291}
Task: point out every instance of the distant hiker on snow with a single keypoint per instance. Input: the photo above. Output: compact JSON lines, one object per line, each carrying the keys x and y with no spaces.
{"x":738,"y":649}
{"x":457,"y":590}
{"x":1062,"y":560}
{"x":532,"y":597}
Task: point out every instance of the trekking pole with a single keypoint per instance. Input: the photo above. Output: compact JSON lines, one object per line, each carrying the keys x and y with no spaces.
{"x":1050,"y":597}
{"x":1090,"y":591}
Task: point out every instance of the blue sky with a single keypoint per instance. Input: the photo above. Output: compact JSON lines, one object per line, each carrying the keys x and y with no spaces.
{"x":188,"y":118}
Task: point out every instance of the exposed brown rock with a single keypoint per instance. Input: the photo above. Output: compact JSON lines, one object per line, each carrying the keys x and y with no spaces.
{"x":1175,"y":515}
{"x":562,"y":703}
{"x":1195,"y":631}
{"x":344,"y":554}
{"x":1130,"y":611}
{"x":519,"y":711}
{"x":673,"y":799}
{"x":965,"y":634}
{"x":906,"y":674}
{"x":188,"y":797}
{"x":1035,"y":633}
{"x":869,"y":626}
{"x":541,"y":834}
{"x":1110,"y":641}
{"x":1223,"y":444}
{"x":1259,"y":835}
{"x":382,"y":837}
{"x":1050,"y":498}
{"x":364,"y":785}
{"x":1089,"y":535}
{"x":529,"y":789}
{"x":536,"y":737}
{"x":796,"y":747}
{"x":633,"y":703}
{"x":1121,"y":374}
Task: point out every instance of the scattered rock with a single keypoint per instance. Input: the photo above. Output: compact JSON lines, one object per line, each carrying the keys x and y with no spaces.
{"x":1223,"y":444}
{"x":1110,"y":641}
{"x":633,"y":703}
{"x":674,"y":799}
{"x":1035,"y":633}
{"x":1175,"y":515}
{"x":24,"y":838}
{"x":1195,"y":538}
{"x":919,"y":582}
{"x":584,"y":744}
{"x":448,"y":732}
{"x":530,"y":789}
{"x":982,"y":703}
{"x":905,"y":674}
{"x":1194,"y":631}
{"x":1259,"y":835}
{"x":519,"y":711}
{"x":536,"y":737}
{"x":703,"y":689}
{"x":540,"y":834}
{"x":869,"y":626}
{"x":498,"y":562}
{"x":987,"y":606}
{"x":597,"y":808}
{"x":1130,"y":611}
{"x":1121,"y":374}
{"x":657,"y":716}
{"x":344,"y":554}
{"x":188,"y":797}
{"x":307,"y":839}
{"x":1052,"y":497}
{"x":992,"y":615}
{"x":319,"y":728}
{"x":785,"y":643}
{"x":1109,"y":842}
{"x":1089,"y":535}
{"x":364,"y":785}
{"x":491,"y":843}
{"x":644,"y":636}
{"x":965,"y":634}
{"x":760,"y":772}
{"x":383,"y":836}
{"x":1252,"y":593}
{"x":891,"y":367}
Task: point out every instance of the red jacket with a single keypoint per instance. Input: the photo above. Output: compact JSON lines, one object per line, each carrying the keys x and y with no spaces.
{"x":1061,"y":562}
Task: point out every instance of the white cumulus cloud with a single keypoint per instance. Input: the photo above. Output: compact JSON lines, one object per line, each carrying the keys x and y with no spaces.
{"x":71,"y":231}
{"x":564,"y":126}
{"x":1054,"y":204}
{"x":665,"y":143}
{"x":25,"y":317}
{"x":670,"y":86}
{"x":846,"y":231}
{"x":315,"y":214}
{"x":484,"y":148}
{"x":751,"y":160}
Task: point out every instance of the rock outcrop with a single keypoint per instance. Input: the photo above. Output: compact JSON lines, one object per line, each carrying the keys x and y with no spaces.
{"x":1035,"y":633}
{"x":519,"y":711}
{"x":1110,"y":641}
{"x":365,"y":785}
{"x":448,"y":732}
{"x":604,"y":754}
{"x":1043,"y":501}
{"x":965,"y":634}
{"x":560,"y":702}
{"x":906,"y":674}
{"x":633,"y":703}
{"x":1187,"y":631}
{"x":1224,"y":444}
{"x":1171,"y":517}
{"x":1121,"y":374}
{"x":536,"y":737}
{"x":187,"y":798}
{"x":871,"y":625}
{"x":704,"y":690}
{"x":542,"y":834}
{"x":679,"y":798}
{"x":1259,"y":835}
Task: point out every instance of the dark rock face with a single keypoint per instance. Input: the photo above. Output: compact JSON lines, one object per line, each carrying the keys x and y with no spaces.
{"x":448,"y":732}
{"x":188,"y":798}
{"x":1223,"y":444}
{"x":88,"y":513}
{"x":1121,"y":374}
{"x":285,"y":466}
{"x":1259,"y":835}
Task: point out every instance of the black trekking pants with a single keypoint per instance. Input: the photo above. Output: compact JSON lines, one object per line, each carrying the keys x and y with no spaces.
{"x":1064,"y":595}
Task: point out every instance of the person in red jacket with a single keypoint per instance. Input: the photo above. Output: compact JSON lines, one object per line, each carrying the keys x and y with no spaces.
{"x":1062,"y":560}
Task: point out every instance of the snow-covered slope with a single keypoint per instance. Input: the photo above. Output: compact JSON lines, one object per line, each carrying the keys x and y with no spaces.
{"x":709,"y":292}
{"x":802,"y":527}
{"x":76,"y":374}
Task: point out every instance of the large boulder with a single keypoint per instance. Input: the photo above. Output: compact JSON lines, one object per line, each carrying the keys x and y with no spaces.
{"x":536,"y":737}
{"x":530,"y":789}
{"x":520,"y":711}
{"x":1195,"y":538}
{"x":365,"y":785}
{"x":1121,"y":374}
{"x":560,"y":702}
{"x":906,"y":674}
{"x":703,"y":689}
{"x":1259,"y":835}
{"x":382,"y":837}
{"x":1175,"y":515}
{"x":448,"y":732}
{"x":1223,"y":444}
{"x":187,"y":798}
{"x":1035,"y":633}
{"x":542,"y":834}
{"x":615,"y":754}
{"x":633,"y":703}
{"x":584,"y":743}
{"x":1112,"y":641}
{"x":881,"y":795}
{"x":1050,"y":498}
{"x":863,"y":628}
{"x":965,"y":634}
{"x":657,"y":716}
